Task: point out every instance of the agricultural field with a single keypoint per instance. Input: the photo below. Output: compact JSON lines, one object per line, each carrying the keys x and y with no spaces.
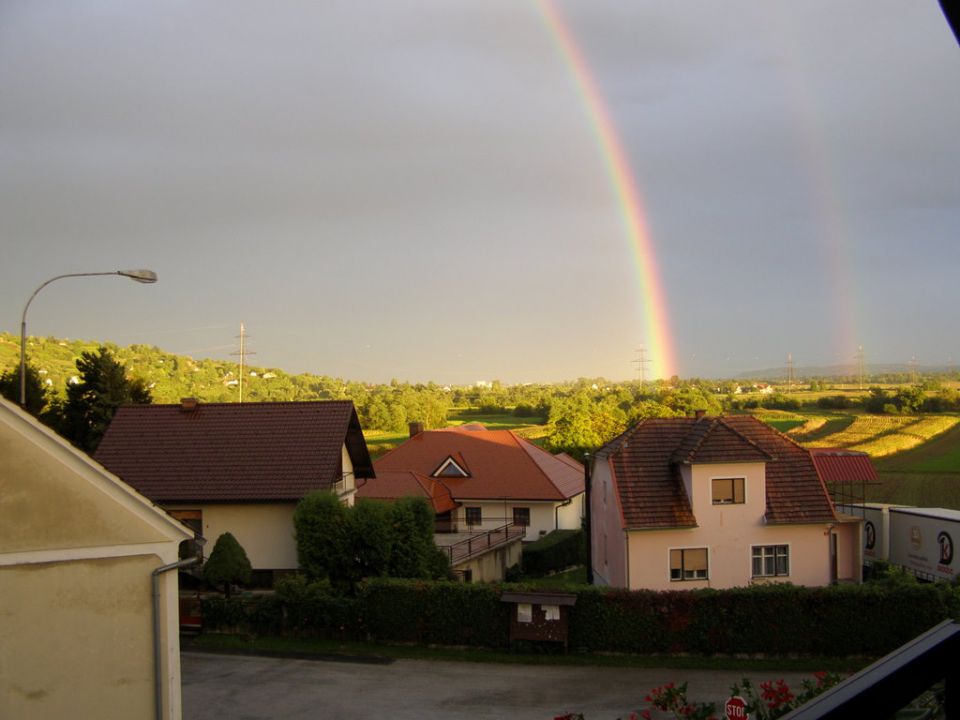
{"x":878,"y":435}
{"x":927,"y":475}
{"x":380,"y":441}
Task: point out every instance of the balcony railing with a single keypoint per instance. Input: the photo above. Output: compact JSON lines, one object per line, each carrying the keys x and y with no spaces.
{"x":892,"y":682}
{"x":482,"y":542}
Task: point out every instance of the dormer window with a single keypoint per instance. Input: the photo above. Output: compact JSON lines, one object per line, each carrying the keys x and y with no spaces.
{"x":728,"y":491}
{"x":450,"y":469}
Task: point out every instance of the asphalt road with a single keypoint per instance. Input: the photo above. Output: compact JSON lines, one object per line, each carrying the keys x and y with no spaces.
{"x":257,"y":688}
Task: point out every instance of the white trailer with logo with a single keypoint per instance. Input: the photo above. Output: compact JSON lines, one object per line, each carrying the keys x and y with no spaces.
{"x":875,"y":537}
{"x":922,"y":541}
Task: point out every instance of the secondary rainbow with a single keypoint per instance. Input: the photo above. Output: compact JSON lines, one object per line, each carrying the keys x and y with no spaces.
{"x":652,"y":298}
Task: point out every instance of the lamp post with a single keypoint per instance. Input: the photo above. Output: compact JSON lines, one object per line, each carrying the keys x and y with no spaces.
{"x":141,"y":276}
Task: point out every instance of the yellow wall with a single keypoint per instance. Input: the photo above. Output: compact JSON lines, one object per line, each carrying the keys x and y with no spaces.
{"x":77,"y":551}
{"x":264,"y":530}
{"x":76,"y":639}
{"x":45,"y":502}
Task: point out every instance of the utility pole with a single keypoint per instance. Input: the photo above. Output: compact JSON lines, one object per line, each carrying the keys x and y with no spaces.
{"x":913,"y":370}
{"x":859,"y":357}
{"x":789,"y":372}
{"x":641,"y":363}
{"x":242,"y":353}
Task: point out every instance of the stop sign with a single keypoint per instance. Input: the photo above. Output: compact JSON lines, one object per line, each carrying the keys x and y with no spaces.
{"x":736,"y":708}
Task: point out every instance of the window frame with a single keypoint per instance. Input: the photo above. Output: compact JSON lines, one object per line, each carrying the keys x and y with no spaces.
{"x":733,"y":480}
{"x":475,"y":512}
{"x":522,"y":510}
{"x":683,"y":569}
{"x":771,"y":555}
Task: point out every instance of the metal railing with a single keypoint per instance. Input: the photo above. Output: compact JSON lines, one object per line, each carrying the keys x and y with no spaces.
{"x":892,"y":682}
{"x":480,"y":543}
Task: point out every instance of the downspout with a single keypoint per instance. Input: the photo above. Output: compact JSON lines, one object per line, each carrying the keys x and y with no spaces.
{"x":556,"y":512}
{"x":587,"y":525}
{"x":158,"y":683}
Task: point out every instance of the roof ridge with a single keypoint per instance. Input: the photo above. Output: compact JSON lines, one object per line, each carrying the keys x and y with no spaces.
{"x":722,"y":420}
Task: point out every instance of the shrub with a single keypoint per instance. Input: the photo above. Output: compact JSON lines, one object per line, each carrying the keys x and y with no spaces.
{"x":555,"y":551}
{"x":227,"y":564}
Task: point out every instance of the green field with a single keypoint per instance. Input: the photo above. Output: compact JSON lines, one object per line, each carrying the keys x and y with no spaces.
{"x":380,"y":441}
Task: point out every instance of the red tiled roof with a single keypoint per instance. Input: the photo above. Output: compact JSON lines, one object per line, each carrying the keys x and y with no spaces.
{"x":229,"y":452}
{"x":501,"y":465}
{"x":645,"y":461}
{"x":394,"y":484}
{"x":836,"y":465}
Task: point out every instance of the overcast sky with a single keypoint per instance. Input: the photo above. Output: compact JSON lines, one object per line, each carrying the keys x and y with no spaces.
{"x":413,"y":189}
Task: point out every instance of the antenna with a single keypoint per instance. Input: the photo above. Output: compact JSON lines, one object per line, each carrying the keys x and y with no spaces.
{"x":242,"y":353}
{"x":641,"y":363}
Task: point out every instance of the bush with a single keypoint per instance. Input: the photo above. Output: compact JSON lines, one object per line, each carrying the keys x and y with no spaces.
{"x":553,"y":552}
{"x":776,"y":619}
{"x":227,"y":564}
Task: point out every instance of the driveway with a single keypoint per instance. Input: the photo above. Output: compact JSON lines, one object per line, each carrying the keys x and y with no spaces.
{"x":256,"y":688}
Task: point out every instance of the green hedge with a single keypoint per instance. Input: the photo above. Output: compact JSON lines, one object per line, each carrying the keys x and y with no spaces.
{"x":555,"y":551}
{"x":838,"y":621}
{"x":443,"y":613}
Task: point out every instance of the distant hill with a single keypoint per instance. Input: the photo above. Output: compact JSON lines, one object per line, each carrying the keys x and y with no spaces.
{"x":169,"y":377}
{"x":835,"y":372}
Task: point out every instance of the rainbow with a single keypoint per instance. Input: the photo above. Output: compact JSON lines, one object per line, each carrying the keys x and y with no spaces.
{"x":652,"y":297}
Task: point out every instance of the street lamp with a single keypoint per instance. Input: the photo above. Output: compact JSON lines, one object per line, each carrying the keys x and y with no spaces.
{"x":141,"y":276}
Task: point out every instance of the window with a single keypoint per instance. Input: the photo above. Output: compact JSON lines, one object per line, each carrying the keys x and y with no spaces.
{"x":688,"y":564}
{"x":728,"y":491}
{"x":521,"y":516}
{"x":450,"y":469}
{"x":771,"y":560}
{"x":474,"y":516}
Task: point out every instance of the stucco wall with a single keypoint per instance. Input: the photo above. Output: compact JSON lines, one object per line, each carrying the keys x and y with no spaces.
{"x":729,"y":555}
{"x":76,"y":640}
{"x":264,"y":530}
{"x":491,"y":566}
{"x":46,"y":503}
{"x":607,"y":536}
{"x":496,"y":513}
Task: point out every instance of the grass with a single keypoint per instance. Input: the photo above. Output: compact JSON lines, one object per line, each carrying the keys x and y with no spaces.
{"x":819,"y":427}
{"x":461,"y":416}
{"x":921,"y":489}
{"x":939,"y":455}
{"x":373,"y":652}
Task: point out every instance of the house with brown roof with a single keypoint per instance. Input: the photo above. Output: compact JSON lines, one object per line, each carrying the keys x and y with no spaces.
{"x":492,"y":477}
{"x":239,"y":468}
{"x":679,"y":503}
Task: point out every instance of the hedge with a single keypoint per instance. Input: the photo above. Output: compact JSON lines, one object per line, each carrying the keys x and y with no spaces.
{"x":555,"y":551}
{"x":836,"y":621}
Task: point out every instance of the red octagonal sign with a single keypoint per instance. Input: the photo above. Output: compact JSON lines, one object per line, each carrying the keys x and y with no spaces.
{"x":736,"y":708}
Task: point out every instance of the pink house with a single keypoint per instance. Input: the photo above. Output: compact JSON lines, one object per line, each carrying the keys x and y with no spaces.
{"x":682,"y":503}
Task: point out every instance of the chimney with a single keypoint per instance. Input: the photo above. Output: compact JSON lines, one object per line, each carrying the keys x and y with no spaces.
{"x":698,"y":414}
{"x":416,"y":428}
{"x":188,"y":404}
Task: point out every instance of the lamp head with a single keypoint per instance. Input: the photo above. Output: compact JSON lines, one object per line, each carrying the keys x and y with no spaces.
{"x":141,"y":276}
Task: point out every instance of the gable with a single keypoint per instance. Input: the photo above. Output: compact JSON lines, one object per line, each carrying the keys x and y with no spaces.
{"x":449,"y":468}
{"x":54,"y":497}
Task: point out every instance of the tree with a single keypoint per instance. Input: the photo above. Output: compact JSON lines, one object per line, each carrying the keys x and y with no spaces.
{"x":36,"y":394}
{"x":92,"y":402}
{"x":344,"y":545}
{"x":227,"y":564}
{"x":323,"y":533}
